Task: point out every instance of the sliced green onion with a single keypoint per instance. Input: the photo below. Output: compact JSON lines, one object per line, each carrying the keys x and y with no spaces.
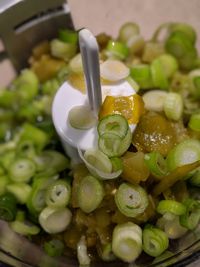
{"x":195,"y":179}
{"x":117,"y":164}
{"x":156,"y":163}
{"x":152,"y":50}
{"x":8,"y":207}
{"x":68,"y":36}
{"x":173,"y":106}
{"x":82,"y":117}
{"x":50,"y":87}
{"x":83,"y":257}
{"x":158,"y":74}
{"x":114,"y":146}
{"x":92,"y":187}
{"x":131,"y":200}
{"x":99,"y":160}
{"x":170,"y":206}
{"x":54,"y":248}
{"x":36,"y":201}
{"x":62,"y":49}
{"x":24,"y":228}
{"x":127,"y":241}
{"x":52,"y":158}
{"x":116,"y":49}
{"x":7,"y":98}
{"x":39,"y":138}
{"x":26,"y":149}
{"x":76,"y":64}
{"x":7,"y":159}
{"x":155,"y":241}
{"x":4,"y":181}
{"x":21,"y":191}
{"x":22,"y":170}
{"x":169,"y":64}
{"x":184,"y":153}
{"x":154,"y":100}
{"x":194,"y":122}
{"x":133,"y":83}
{"x":55,"y":220}
{"x":96,"y":171}
{"x":186,"y":29}
{"x":128,"y":30}
{"x":191,"y":218}
{"x":105,"y":252}
{"x":142,"y":75}
{"x":165,"y":256}
{"x":114,"y":124}
{"x":136,"y":44}
{"x":58,"y":194}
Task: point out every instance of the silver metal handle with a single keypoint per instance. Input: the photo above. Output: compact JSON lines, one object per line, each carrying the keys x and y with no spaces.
{"x":90,"y":57}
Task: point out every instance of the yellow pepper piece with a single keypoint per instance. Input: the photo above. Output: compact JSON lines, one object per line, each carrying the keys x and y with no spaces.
{"x":131,"y":107}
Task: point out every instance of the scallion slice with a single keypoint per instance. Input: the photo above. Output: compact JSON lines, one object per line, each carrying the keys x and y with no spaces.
{"x":158,"y":74}
{"x":171,"y":206}
{"x":127,"y":241}
{"x":90,"y":193}
{"x":131,"y":199}
{"x":156,"y":163}
{"x":55,"y":220}
{"x":173,"y":106}
{"x":169,"y":64}
{"x":195,"y":179}
{"x":154,"y":100}
{"x":191,"y":218}
{"x":116,"y":49}
{"x":128,"y":30}
{"x":54,"y":247}
{"x":68,"y":36}
{"x":142,"y":75}
{"x":184,"y":153}
{"x":8,"y":207}
{"x":114,"y":124}
{"x":155,"y":241}
{"x":21,"y":191}
{"x":24,"y":228}
{"x":194,"y":122}
{"x":58,"y":194}
{"x":22,"y":170}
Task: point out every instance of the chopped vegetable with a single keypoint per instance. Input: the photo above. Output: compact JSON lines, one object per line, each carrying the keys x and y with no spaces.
{"x":54,"y":248}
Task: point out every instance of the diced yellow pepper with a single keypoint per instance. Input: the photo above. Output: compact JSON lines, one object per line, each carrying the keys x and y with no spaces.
{"x":131,"y":107}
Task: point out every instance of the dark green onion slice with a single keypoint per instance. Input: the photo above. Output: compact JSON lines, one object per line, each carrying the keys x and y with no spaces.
{"x":54,"y":247}
{"x":8,"y":207}
{"x":127,"y":241}
{"x":131,"y":200}
{"x":68,"y":36}
{"x":114,"y":124}
{"x":191,"y":218}
{"x":171,"y":206}
{"x":142,"y":75}
{"x":194,"y":122}
{"x":90,"y":194}
{"x":155,"y":241}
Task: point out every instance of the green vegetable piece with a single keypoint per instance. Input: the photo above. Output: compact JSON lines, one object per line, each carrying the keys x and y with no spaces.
{"x":62,"y":49}
{"x":155,"y":241}
{"x":24,"y":228}
{"x":142,"y":75}
{"x":170,"y":206}
{"x":169,"y":64}
{"x":68,"y":36}
{"x":4,"y":180}
{"x":186,"y":29}
{"x":54,"y":248}
{"x":128,"y":30}
{"x":21,"y":191}
{"x":8,"y":207}
{"x":117,"y":50}
{"x":156,"y":163}
{"x":158,"y":74}
{"x":131,"y":200}
{"x":195,"y":179}
{"x":194,"y":122}
{"x":92,"y":187}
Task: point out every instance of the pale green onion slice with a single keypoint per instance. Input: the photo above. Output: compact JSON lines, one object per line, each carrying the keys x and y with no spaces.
{"x":136,"y":43}
{"x":58,"y":194}
{"x":22,"y":170}
{"x":133,"y":83}
{"x":191,"y":218}
{"x":131,"y":200}
{"x":99,"y":160}
{"x":173,"y":106}
{"x":116,"y":49}
{"x":155,"y":241}
{"x":156,"y":163}
{"x":170,"y":206}
{"x":76,"y":64}
{"x":63,"y":50}
{"x":21,"y":191}
{"x":82,"y":117}
{"x":98,"y":173}
{"x":184,"y":153}
{"x":194,"y":122}
{"x":158,"y":74}
{"x":128,"y":30}
{"x":114,"y":124}
{"x":105,"y":252}
{"x":127,"y":241}
{"x":55,"y":220}
{"x":142,"y":75}
{"x":90,"y":194}
{"x":154,"y":100}
{"x":113,"y":70}
{"x":169,"y":64}
{"x":24,"y":228}
{"x":113,"y":145}
{"x":4,"y":181}
{"x":82,"y":254}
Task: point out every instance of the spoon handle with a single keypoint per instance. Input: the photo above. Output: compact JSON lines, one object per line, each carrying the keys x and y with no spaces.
{"x":90,"y":57}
